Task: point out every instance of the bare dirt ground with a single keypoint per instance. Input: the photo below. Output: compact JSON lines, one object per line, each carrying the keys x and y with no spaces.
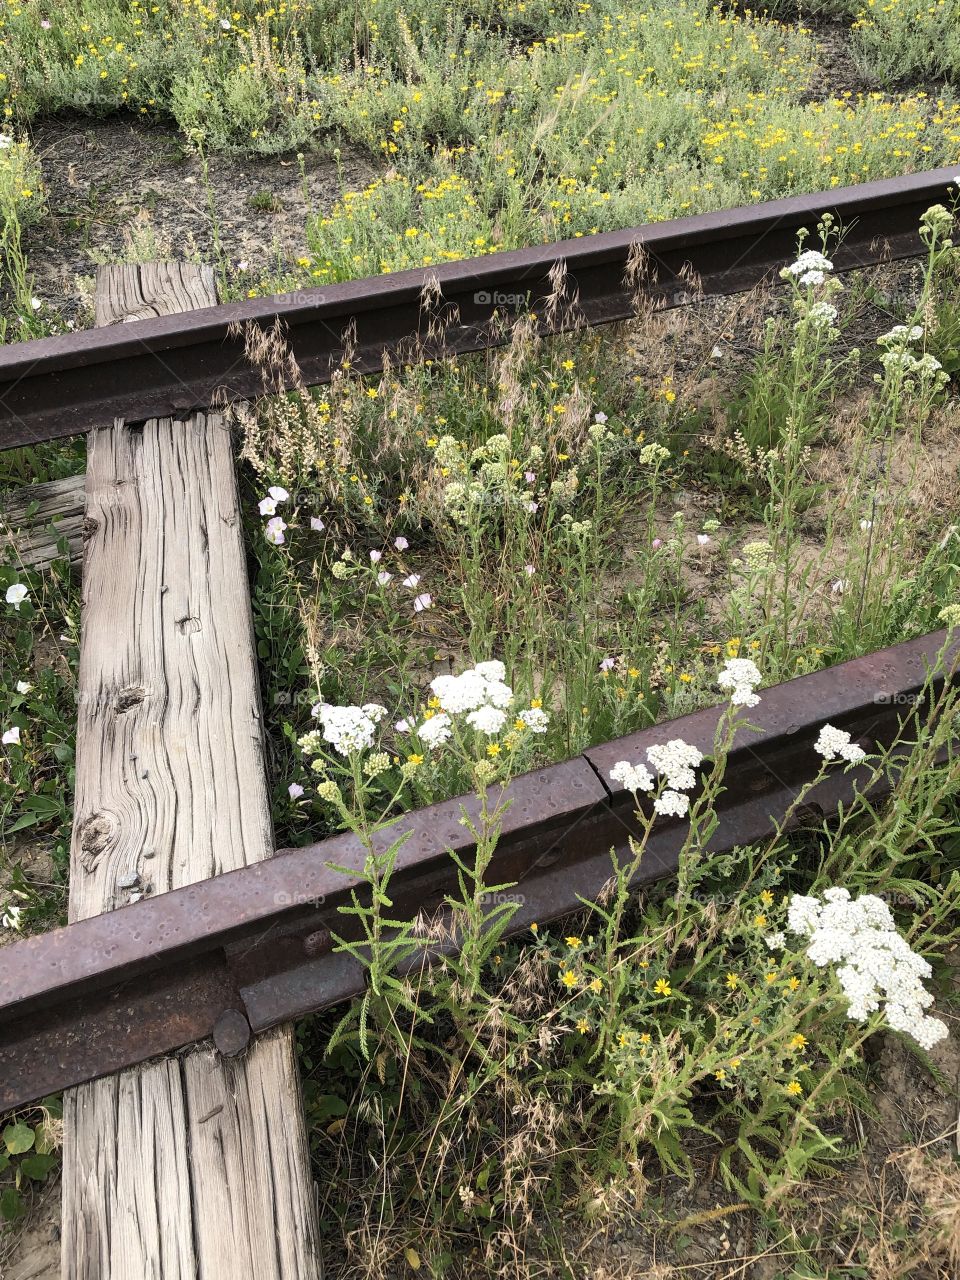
{"x":113,"y":183}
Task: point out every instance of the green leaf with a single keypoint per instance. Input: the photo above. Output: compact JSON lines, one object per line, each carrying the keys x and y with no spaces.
{"x":18,"y":1138}
{"x":37,"y":1167}
{"x":11,"y":1205}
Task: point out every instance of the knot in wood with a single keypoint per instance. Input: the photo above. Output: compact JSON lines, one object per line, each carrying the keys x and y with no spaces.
{"x":94,"y":836}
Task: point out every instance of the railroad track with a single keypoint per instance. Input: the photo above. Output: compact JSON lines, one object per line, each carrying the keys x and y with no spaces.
{"x":171,"y":365}
{"x":235,"y":942}
{"x":253,"y":948}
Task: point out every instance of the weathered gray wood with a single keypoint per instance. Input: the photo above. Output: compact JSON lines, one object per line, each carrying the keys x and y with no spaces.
{"x":191,"y":1166}
{"x":33,"y":536}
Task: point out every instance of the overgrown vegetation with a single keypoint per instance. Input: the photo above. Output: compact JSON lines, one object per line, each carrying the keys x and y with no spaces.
{"x":607,"y":520}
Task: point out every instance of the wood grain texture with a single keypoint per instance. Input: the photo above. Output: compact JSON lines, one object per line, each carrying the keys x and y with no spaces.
{"x":192,"y":1166}
{"x":32,"y":536}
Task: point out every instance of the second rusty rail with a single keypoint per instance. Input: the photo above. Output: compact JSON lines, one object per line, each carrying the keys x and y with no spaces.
{"x":253,"y":948}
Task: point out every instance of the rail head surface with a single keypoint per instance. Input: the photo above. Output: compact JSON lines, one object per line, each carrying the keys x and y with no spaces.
{"x":171,"y":365}
{"x":254,"y":947}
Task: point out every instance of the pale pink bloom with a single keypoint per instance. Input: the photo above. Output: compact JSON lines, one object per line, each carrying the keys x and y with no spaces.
{"x":242,"y":266}
{"x":267,"y":506}
{"x":422,"y":602}
{"x":401,"y":543}
{"x":607,"y":664}
{"x":600,"y":417}
{"x":11,"y":736}
{"x":317,"y":524}
{"x":532,"y":507}
{"x":295,"y":790}
{"x":412,"y":581}
{"x":657,"y":543}
{"x":530,"y":477}
{"x":402,"y":726}
{"x":383,"y":577}
{"x":278,"y":493}
{"x":529,"y":570}
{"x":274,"y":531}
{"x":376,"y":557}
{"x":703,"y":539}
{"x":46,"y":25}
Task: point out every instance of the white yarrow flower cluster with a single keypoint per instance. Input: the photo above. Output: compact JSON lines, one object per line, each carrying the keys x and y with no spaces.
{"x":809,"y":268}
{"x":740,"y":676}
{"x":349,"y":729}
{"x":481,"y":695}
{"x":874,"y":965}
{"x":675,"y":762}
{"x":835,"y":743}
{"x":635,"y":777}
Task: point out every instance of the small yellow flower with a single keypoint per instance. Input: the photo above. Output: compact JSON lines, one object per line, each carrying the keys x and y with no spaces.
{"x":569,"y":978}
{"x":793,"y":983}
{"x":794,"y":1088}
{"x":662,"y":988}
{"x":572,"y":943}
{"x":534,"y":928}
{"x":536,"y":702}
{"x":760,"y":920}
{"x":732,"y":981}
{"x":720,"y":1074}
{"x":493,"y":749}
{"x":415,"y":759}
{"x":766,"y":898}
{"x":798,"y":1041}
{"x":596,"y":985}
{"x":644,"y":1037}
{"x":770,"y":977}
{"x":568,"y":364}
{"x":583,"y":1026}
{"x":734,"y":1063}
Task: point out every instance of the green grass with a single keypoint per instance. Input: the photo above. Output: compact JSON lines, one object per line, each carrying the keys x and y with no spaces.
{"x":508,"y":125}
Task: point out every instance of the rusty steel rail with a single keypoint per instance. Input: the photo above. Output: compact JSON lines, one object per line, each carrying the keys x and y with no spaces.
{"x":171,"y":365}
{"x":250,"y":949}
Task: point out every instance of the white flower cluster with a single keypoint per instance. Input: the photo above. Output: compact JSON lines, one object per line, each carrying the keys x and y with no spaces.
{"x":482,"y":696}
{"x":822,"y":315}
{"x":741,"y":676}
{"x":347,"y":729}
{"x":874,"y":963}
{"x":675,"y":761}
{"x":833,"y":743}
{"x":900,"y":334}
{"x":809,"y":268}
{"x":925,"y":366}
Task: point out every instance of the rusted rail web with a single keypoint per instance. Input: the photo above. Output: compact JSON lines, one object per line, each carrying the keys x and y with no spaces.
{"x":252,"y":948}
